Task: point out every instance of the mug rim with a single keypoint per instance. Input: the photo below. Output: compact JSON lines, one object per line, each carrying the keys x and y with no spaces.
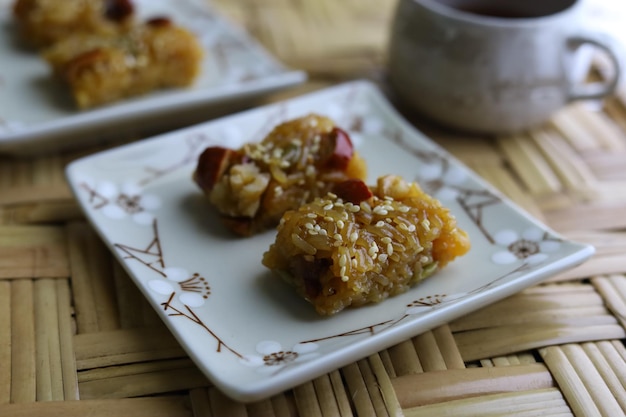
{"x":468,"y":17}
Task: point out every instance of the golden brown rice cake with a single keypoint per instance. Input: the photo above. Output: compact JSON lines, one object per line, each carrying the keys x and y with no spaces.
{"x":298,"y":161}
{"x":44,"y":22}
{"x":104,"y":69}
{"x":360,"y":245}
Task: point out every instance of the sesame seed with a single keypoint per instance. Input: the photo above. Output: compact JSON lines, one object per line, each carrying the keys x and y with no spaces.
{"x":373,"y":250}
{"x":411,"y":228}
{"x":342,"y":272}
{"x":354,"y":262}
{"x":353,"y":208}
{"x":310,"y":171}
{"x":329,"y":219}
{"x":342,"y":260}
{"x":328,"y":206}
{"x":354,"y":236}
{"x":345,"y":278}
{"x":382,"y":257}
{"x":340,"y":224}
{"x":311,"y":215}
{"x":404,"y":209}
{"x":338,"y":237}
{"x":389,"y":249}
{"x":426,"y":224}
{"x":403,"y":226}
{"x":386,"y":240}
{"x":332,"y":195}
{"x":308,"y":225}
{"x":424,"y":259}
{"x":380,"y":223}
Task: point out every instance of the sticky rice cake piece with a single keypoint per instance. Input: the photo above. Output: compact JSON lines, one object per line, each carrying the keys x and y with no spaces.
{"x":44,"y":22}
{"x":362,"y":245}
{"x":299,"y":160}
{"x":104,"y":69}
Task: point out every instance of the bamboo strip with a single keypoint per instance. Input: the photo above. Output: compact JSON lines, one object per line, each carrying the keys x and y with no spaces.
{"x":5,"y":342}
{"x":614,"y":353}
{"x":32,"y":252}
{"x":404,"y":359}
{"x":592,"y":380}
{"x":200,"y":402}
{"x":224,"y":406}
{"x":547,"y":402}
{"x":23,"y":366}
{"x":606,"y":166}
{"x":68,"y":363}
{"x":385,"y":387}
{"x":284,"y":405}
{"x":387,"y":363}
{"x":608,"y":372}
{"x":566,"y":163}
{"x":597,"y":265}
{"x":445,"y":386}
{"x":529,"y":165}
{"x":573,"y":389}
{"x":612,"y":289}
{"x":306,"y":400}
{"x":117,"y":347}
{"x":96,"y":307}
{"x":35,"y":194}
{"x":357,"y":390}
{"x":133,"y":369}
{"x":594,"y":216}
{"x":136,"y":407}
{"x":447,"y":347}
{"x":131,"y":303}
{"x":491,"y":342}
{"x":138,"y":381}
{"x":574,"y":131}
{"x":603,"y":129}
{"x":605,"y":243}
{"x":378,"y":407}
{"x":428,"y":352}
{"x":40,"y":213}
{"x":48,"y":351}
{"x":260,"y":409}
{"x":341,"y":396}
{"x":325,"y":394}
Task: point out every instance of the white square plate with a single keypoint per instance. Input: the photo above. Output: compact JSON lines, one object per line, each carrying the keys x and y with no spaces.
{"x":36,"y":111}
{"x":248,"y":331}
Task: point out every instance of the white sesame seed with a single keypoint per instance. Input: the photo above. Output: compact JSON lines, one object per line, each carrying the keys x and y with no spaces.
{"x":340,"y":224}
{"x":354,"y":262}
{"x":329,"y":219}
{"x":338,"y":237}
{"x":342,"y":272}
{"x":386,"y":240}
{"x":373,"y":250}
{"x":345,"y":278}
{"x":342,"y":260}
{"x":308,"y":225}
{"x":354,"y":236}
{"x":328,"y":206}
{"x":424,"y":259}
{"x":332,"y":195}
{"x":382,"y":257}
{"x":403,"y":226}
{"x":411,"y":228}
{"x":389,"y":249}
{"x":353,"y":208}
{"x":312,"y":215}
{"x":426,"y":224}
{"x":404,"y":209}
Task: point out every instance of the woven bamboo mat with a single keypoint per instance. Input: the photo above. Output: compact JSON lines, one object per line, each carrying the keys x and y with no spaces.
{"x":77,"y":338}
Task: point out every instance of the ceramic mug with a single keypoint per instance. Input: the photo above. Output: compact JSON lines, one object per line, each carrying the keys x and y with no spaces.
{"x":493,"y":66}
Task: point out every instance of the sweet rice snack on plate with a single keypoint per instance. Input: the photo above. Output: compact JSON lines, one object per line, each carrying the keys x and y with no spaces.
{"x":361,"y":244}
{"x":44,"y":22}
{"x":296,"y":162}
{"x":103,"y":69}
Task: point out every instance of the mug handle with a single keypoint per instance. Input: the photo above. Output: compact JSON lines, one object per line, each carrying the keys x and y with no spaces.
{"x":599,"y":89}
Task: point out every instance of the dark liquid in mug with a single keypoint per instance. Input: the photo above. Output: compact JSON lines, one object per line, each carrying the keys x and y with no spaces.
{"x":502,"y":12}
{"x":510,"y":9}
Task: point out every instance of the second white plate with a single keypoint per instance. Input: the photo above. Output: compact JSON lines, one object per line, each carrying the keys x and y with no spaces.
{"x":37,"y":114}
